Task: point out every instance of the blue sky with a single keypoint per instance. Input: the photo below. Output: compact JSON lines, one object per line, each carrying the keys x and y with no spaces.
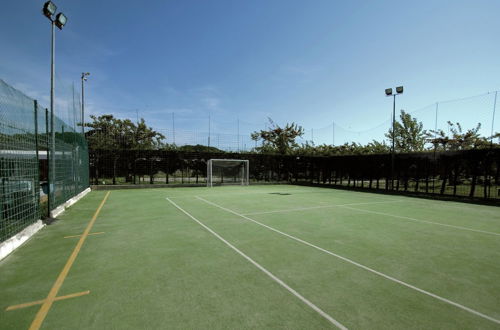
{"x":312,"y":62}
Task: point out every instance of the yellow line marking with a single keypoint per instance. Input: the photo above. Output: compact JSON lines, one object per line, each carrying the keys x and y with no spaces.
{"x":39,"y":302}
{"x":73,"y":236}
{"x":44,"y":309}
{"x":73,"y":295}
{"x":33,"y":303}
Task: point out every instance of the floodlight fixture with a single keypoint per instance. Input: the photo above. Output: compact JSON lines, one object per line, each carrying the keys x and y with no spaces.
{"x":399,"y":90}
{"x":49,"y":9}
{"x":61,"y":20}
{"x":388,"y":91}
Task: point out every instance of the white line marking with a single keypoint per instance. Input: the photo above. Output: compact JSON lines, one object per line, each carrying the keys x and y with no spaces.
{"x":292,"y":189}
{"x":420,"y":220}
{"x":268,"y":273}
{"x":318,"y":207}
{"x":470,"y":310}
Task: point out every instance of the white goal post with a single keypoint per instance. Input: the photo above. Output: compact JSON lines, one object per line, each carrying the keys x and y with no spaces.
{"x":227,"y":172}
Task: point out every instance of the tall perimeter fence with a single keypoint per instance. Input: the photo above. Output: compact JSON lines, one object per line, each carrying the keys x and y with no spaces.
{"x":470,"y":174}
{"x":31,"y":162}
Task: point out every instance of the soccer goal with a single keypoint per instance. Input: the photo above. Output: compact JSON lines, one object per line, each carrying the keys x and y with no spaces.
{"x":227,"y":172}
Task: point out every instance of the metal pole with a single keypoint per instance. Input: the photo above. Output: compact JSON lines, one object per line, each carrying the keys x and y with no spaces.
{"x":52,"y":109}
{"x":173,"y":126}
{"x":333,"y":133}
{"x":37,"y":177}
{"x":493,"y":119}
{"x":393,"y":139}
{"x":238,"y":135}
{"x":436,"y":120}
{"x":209,"y":130}
{"x":435,"y":147}
{"x":49,"y":157}
{"x":83,"y":106}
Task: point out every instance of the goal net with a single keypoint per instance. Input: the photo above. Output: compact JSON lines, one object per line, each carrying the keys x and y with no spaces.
{"x":227,"y":172}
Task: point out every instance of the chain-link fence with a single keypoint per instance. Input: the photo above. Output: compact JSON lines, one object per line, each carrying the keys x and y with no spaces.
{"x":30,"y":167}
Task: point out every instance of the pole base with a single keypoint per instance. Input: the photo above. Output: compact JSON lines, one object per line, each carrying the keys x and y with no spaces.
{"x":49,"y":220}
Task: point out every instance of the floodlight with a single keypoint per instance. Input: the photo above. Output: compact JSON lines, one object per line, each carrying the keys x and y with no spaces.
{"x":388,"y":91}
{"x":49,"y":9}
{"x":61,"y":20}
{"x":399,"y":90}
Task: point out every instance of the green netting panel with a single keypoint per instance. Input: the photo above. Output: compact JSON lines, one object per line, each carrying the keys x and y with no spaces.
{"x":19,"y":167}
{"x":71,"y":153}
{"x":31,"y":166}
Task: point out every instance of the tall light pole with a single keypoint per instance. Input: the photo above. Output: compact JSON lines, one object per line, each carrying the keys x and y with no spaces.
{"x":49,"y":10}
{"x":388,"y":92}
{"x":84,"y":78}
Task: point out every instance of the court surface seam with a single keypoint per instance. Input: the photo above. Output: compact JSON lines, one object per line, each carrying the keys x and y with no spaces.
{"x":264,"y":270}
{"x":388,"y":277}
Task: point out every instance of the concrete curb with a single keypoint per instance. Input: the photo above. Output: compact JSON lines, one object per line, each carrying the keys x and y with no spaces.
{"x":61,"y":208}
{"x":17,"y":240}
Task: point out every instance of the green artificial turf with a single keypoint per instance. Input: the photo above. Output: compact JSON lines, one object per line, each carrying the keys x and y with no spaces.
{"x":155,"y":267}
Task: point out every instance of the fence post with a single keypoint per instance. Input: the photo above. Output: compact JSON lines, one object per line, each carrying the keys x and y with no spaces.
{"x":37,"y":176}
{"x":49,"y":176}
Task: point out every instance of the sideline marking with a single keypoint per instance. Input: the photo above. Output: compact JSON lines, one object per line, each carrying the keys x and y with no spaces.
{"x":39,"y":302}
{"x":424,"y":221}
{"x":73,"y":236}
{"x":44,"y":309}
{"x":268,"y":273}
{"x":465,"y":308}
{"x":319,"y":207}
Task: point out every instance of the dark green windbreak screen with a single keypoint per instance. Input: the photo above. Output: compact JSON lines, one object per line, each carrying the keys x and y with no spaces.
{"x":25,"y":158}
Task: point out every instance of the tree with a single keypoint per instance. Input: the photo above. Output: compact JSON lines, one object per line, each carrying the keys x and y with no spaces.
{"x":110,"y":133}
{"x":278,"y":139}
{"x":458,"y":140}
{"x":114,"y":135}
{"x":199,"y":148}
{"x":376,"y":147}
{"x":409,"y":135}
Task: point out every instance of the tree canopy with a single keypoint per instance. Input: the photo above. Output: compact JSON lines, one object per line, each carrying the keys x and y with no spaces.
{"x":278,"y":139}
{"x":110,"y":133}
{"x":409,"y":134}
{"x":458,"y":140}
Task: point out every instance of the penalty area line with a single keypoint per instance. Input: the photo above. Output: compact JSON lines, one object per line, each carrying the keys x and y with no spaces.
{"x":388,"y":277}
{"x":264,"y":270}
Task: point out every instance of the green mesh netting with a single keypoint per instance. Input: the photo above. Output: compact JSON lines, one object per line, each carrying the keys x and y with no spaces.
{"x":26,"y":156}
